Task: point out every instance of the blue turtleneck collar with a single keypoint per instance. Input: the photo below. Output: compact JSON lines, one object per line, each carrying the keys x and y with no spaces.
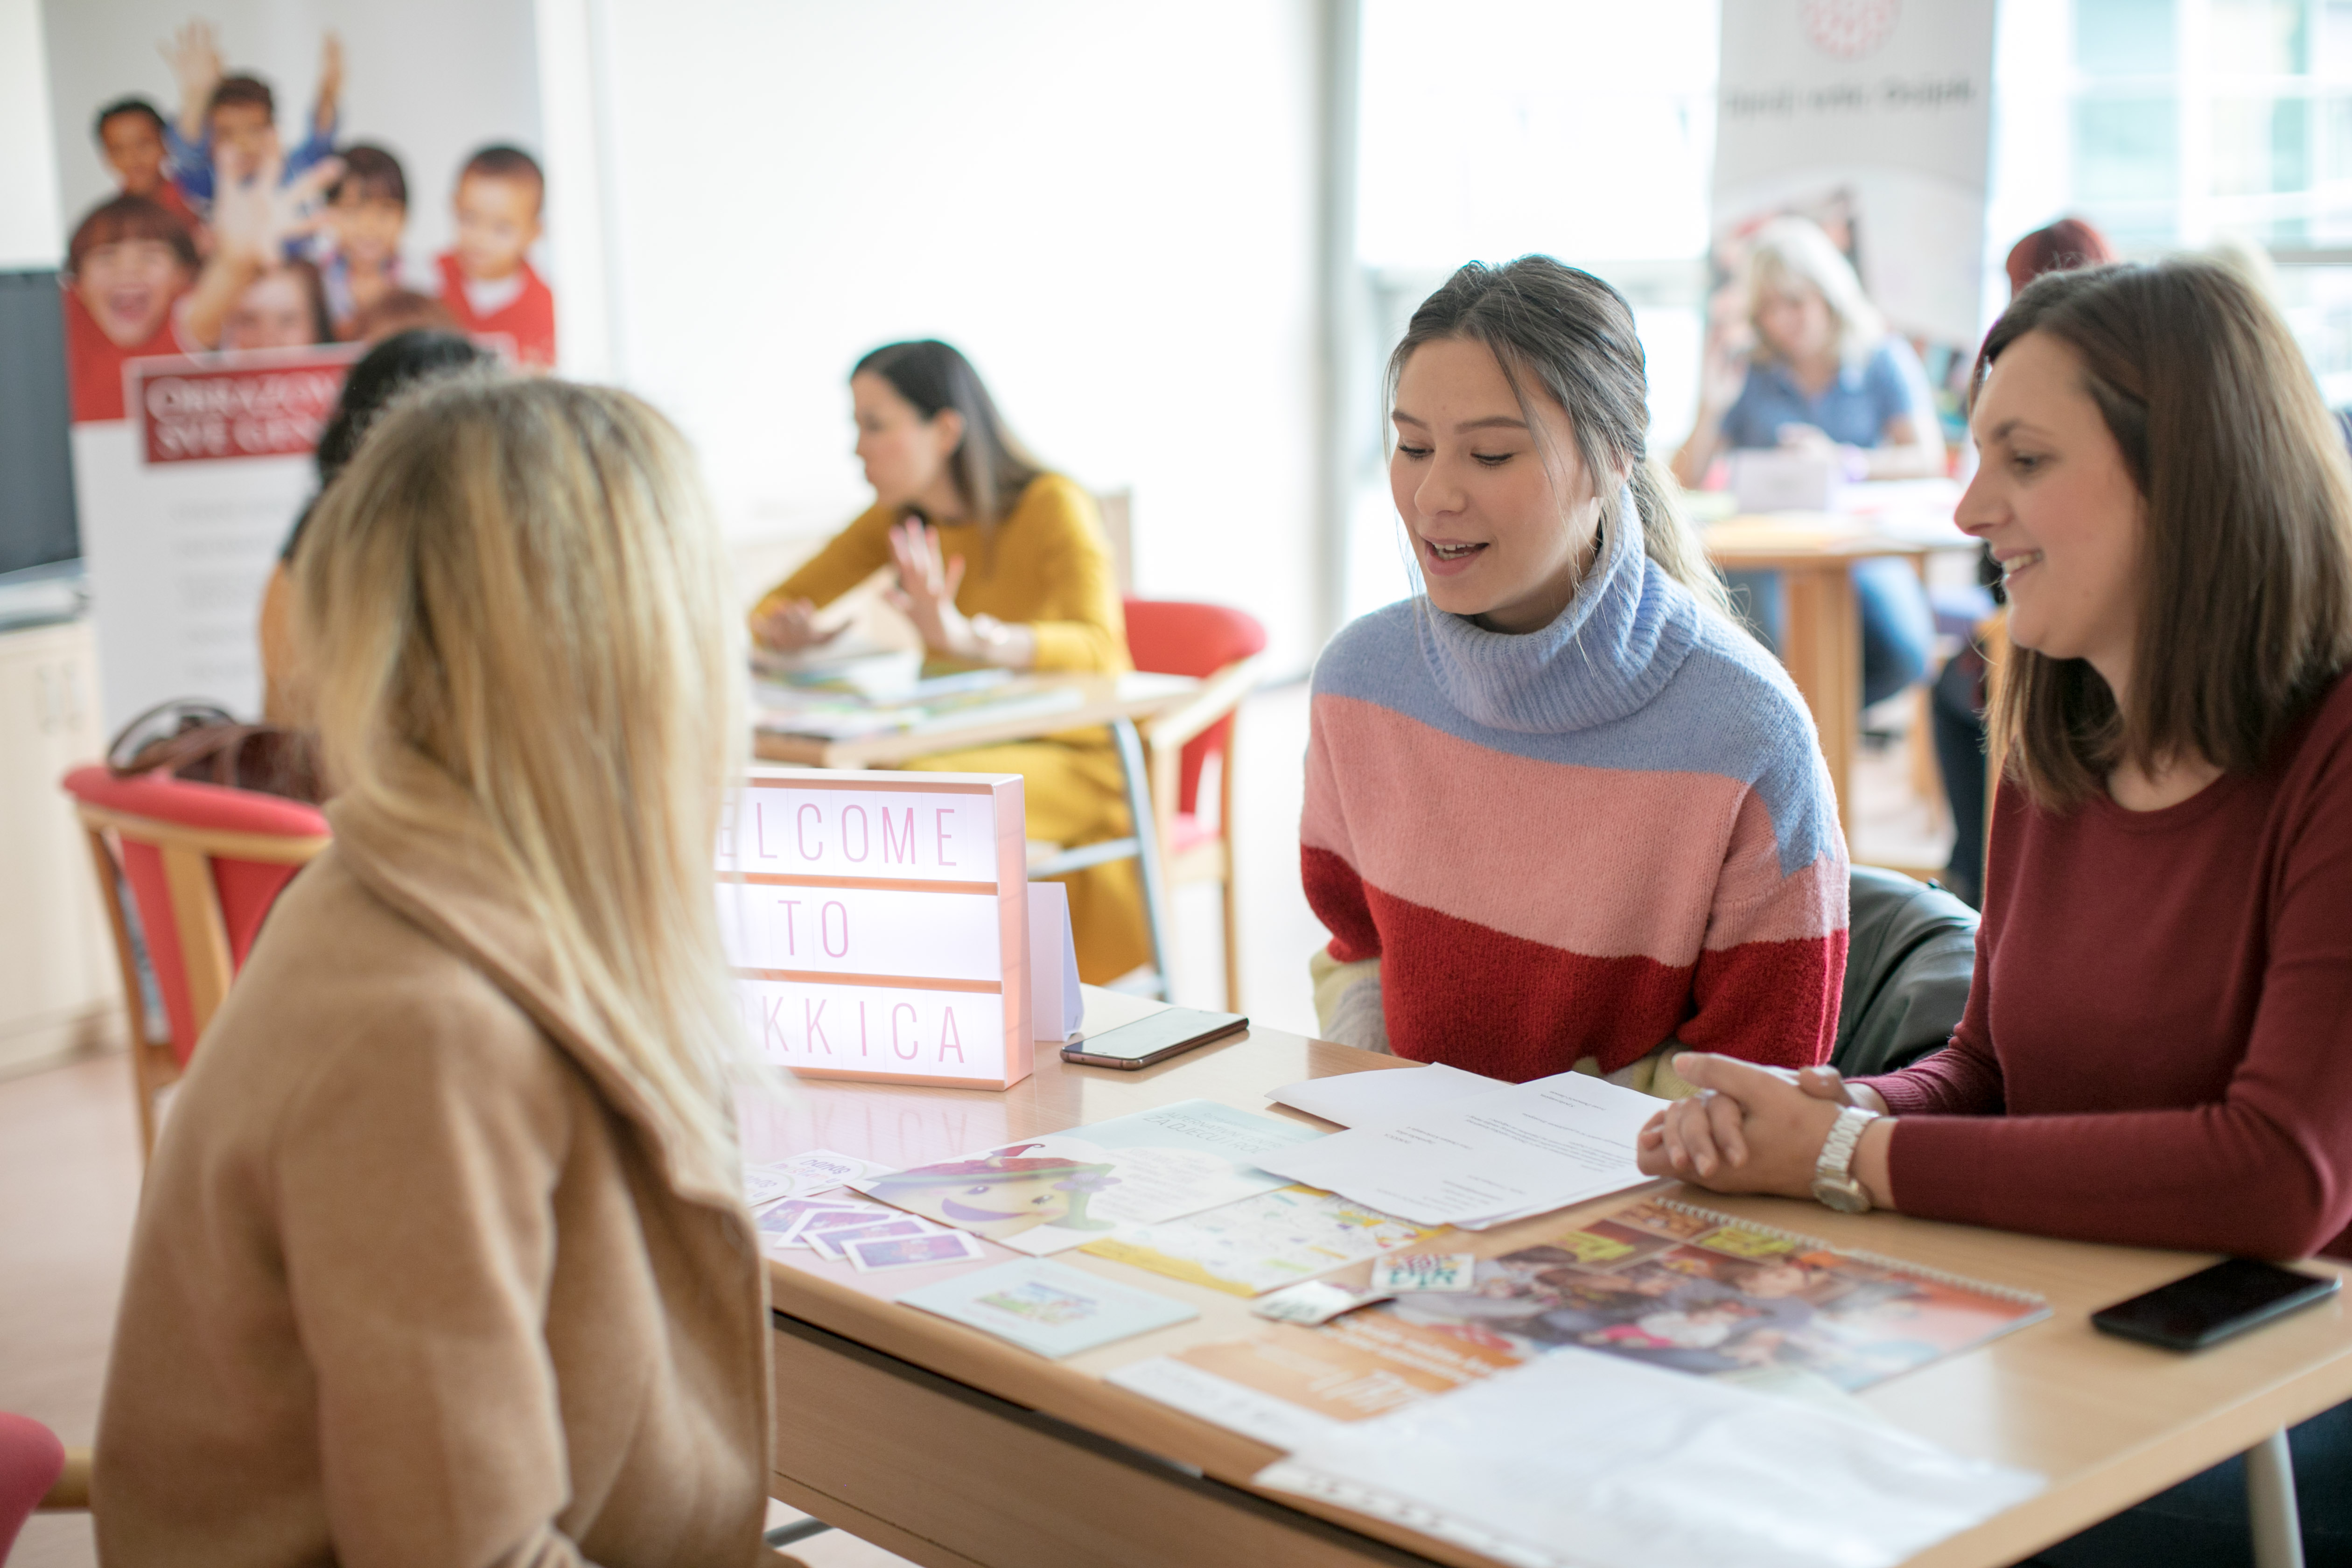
{"x":1614,"y":647}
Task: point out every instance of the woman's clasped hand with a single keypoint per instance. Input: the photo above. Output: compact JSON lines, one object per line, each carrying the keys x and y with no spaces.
{"x":1751,"y":1129}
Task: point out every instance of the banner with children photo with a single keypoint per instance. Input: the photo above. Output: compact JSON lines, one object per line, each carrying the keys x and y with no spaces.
{"x":259,"y":192}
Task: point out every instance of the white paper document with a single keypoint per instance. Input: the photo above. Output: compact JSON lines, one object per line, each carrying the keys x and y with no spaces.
{"x":1382,"y":1094}
{"x":1583,"y":1460}
{"x":1523,"y":1149}
{"x":1056,"y":1010}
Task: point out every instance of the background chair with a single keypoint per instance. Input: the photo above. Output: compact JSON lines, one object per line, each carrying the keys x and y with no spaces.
{"x":36,"y":1471}
{"x":1910,"y":954}
{"x":203,"y":864}
{"x":1218,"y":646}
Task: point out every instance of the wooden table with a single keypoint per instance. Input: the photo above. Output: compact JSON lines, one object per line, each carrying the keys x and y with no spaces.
{"x":1820,"y":635}
{"x":1112,"y":701}
{"x":953,"y":1449}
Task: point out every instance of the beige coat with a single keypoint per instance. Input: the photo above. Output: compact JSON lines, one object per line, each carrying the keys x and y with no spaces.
{"x":415,"y":1280}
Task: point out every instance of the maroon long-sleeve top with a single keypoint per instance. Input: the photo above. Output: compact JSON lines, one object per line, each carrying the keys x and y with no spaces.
{"x":2157,"y":1045}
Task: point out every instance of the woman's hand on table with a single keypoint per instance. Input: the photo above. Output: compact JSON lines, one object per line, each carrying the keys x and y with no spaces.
{"x":790,"y":627}
{"x":926,"y":595}
{"x":1753,"y":1129}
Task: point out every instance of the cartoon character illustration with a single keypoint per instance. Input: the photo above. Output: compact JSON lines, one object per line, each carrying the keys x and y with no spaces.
{"x":1002,"y":1193}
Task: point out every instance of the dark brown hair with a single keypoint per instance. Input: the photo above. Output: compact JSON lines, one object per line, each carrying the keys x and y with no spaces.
{"x":373,"y":173}
{"x":138,"y":106}
{"x":2068,"y":244}
{"x":246,"y":90}
{"x":2245,"y":606}
{"x":1573,"y":335}
{"x":129,"y":218}
{"x":501,"y":162}
{"x":991,"y":466}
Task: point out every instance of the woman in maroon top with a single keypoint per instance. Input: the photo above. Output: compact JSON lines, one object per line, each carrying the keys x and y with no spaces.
{"x":2154,"y":1049}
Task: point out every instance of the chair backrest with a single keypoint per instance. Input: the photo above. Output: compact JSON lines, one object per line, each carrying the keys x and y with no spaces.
{"x":205,"y":863}
{"x":1910,"y":954}
{"x":1171,"y":636}
{"x":31,"y":1459}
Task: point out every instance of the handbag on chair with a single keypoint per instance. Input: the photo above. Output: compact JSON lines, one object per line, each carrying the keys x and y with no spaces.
{"x":202,"y":743}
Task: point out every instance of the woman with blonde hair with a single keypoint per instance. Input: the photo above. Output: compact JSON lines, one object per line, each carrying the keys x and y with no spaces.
{"x":443,"y":1256}
{"x":1823,"y":374}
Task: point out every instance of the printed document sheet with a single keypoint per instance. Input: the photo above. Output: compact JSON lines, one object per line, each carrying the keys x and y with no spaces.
{"x":1523,"y":1149}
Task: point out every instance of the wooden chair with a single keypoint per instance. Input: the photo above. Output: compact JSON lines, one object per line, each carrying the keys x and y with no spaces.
{"x":203,"y":864}
{"x":37,"y":1474}
{"x":1218,"y":646}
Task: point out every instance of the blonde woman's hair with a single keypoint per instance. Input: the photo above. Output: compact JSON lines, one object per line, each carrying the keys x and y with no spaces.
{"x":1792,"y":253}
{"x":521,"y":582}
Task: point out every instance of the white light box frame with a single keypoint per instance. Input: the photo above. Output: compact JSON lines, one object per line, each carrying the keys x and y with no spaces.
{"x":878,"y":923}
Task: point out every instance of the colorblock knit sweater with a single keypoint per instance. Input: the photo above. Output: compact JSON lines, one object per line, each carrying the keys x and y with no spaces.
{"x":1585,"y":841}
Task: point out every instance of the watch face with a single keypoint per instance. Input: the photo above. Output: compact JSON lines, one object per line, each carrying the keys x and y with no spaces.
{"x":1846,"y":1196}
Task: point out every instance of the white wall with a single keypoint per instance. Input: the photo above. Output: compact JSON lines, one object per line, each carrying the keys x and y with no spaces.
{"x":30,"y":232}
{"x":1111,"y":208}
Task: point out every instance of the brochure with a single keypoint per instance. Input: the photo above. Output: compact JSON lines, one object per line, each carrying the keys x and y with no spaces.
{"x":1663,"y":1283}
{"x":1693,"y":1291}
{"x":1262,"y":1243}
{"x":1048,"y":1308}
{"x":1288,"y":1383}
{"x":1581,"y":1461}
{"x":1064,"y":1189}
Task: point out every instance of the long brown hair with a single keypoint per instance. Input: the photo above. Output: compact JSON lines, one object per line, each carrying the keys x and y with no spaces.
{"x":1573,"y":335}
{"x":2245,"y":611}
{"x":991,"y":466}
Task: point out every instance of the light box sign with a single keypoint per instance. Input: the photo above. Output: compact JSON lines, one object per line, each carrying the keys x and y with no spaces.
{"x":878,"y":923}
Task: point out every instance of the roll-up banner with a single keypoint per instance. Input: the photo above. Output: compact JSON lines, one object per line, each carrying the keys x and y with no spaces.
{"x":258,"y":191}
{"x":1873,"y":119}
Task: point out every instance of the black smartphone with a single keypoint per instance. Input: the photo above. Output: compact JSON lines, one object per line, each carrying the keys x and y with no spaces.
{"x":2214,"y":1303}
{"x":1153,"y":1039}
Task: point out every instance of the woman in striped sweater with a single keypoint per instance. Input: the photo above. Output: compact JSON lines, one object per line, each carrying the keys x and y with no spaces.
{"x":1561,"y":811}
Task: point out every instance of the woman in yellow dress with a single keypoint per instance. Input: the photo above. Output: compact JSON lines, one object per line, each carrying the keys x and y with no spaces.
{"x":1000,"y":562}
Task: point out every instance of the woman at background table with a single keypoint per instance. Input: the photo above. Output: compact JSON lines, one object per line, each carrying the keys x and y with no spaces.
{"x":2154,"y":1051}
{"x":1824,"y":375}
{"x":384,"y":372}
{"x":999,"y":563}
{"x":443,"y":1257}
{"x":1562,"y":811}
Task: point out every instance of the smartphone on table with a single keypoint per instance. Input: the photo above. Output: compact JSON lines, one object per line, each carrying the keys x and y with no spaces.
{"x":2214,"y":1303}
{"x":1152,"y":1039}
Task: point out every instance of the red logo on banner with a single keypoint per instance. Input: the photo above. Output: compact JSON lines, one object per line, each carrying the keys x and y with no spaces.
{"x":1851,"y":29}
{"x":266,"y":405}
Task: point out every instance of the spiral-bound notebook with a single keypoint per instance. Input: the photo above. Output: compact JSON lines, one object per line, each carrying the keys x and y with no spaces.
{"x":1685,"y":1287}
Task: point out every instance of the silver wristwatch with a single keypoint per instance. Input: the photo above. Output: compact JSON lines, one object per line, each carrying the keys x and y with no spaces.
{"x":1833,"y":1182}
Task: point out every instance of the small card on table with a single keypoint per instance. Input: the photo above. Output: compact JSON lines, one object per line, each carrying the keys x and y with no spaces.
{"x":1046,"y":1307}
{"x":874,"y":1253}
{"x":1316,"y":1302}
{"x":1415,"y":1273}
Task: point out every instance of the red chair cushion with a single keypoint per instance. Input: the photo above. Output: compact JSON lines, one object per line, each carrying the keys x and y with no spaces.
{"x":1172,"y":637}
{"x":246,"y":888}
{"x":31,"y":1460}
{"x":1190,"y":832}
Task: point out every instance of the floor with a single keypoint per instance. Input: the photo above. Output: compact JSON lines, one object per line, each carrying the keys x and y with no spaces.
{"x":68,"y":1138}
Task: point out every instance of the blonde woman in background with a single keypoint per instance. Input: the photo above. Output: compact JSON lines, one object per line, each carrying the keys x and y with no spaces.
{"x":1823,"y":374}
{"x":443,"y":1258}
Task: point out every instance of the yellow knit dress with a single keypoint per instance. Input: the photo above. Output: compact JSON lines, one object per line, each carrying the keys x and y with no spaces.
{"x":1047,"y":567}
